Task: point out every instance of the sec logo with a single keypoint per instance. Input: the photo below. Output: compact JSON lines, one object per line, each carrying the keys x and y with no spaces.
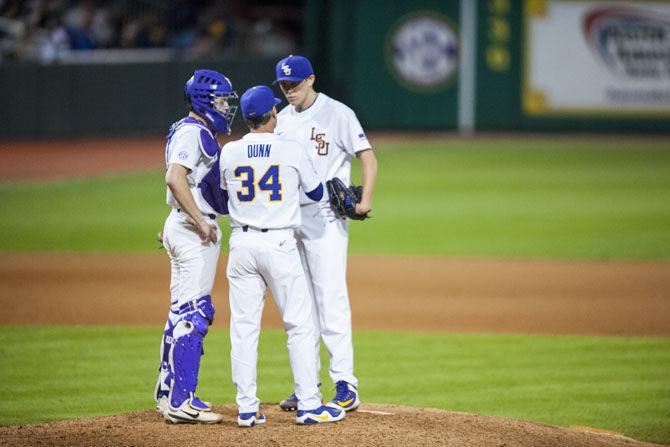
{"x":183,"y":155}
{"x":422,"y":51}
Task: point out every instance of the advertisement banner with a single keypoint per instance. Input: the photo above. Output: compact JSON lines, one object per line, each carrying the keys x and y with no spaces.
{"x":596,"y":58}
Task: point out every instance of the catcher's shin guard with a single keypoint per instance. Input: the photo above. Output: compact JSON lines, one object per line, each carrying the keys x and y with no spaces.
{"x":185,"y":356}
{"x":164,"y":381}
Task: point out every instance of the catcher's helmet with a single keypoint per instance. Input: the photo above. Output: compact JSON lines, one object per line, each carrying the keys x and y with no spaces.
{"x":202,"y":88}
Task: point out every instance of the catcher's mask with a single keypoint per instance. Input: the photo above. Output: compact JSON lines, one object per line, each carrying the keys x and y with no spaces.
{"x":208,"y":92}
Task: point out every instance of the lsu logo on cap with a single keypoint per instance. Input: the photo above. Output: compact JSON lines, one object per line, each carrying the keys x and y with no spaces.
{"x":286,"y":69}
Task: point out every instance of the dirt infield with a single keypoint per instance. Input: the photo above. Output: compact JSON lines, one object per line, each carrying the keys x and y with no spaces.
{"x":372,"y":425}
{"x":387,"y":293}
{"x":417,"y":294}
{"x":59,"y":159}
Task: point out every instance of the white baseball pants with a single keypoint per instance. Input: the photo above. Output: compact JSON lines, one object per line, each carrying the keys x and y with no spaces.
{"x":193,"y":264}
{"x":269,"y":260}
{"x":322,"y":243}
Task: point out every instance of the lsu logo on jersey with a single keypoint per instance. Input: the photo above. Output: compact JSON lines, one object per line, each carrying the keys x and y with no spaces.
{"x":321,"y":144}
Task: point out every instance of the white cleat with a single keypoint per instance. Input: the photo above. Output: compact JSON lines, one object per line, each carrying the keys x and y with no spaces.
{"x":346,"y":397}
{"x":187,"y":414}
{"x":319,"y":415}
{"x":250,"y":419}
{"x":162,"y":404}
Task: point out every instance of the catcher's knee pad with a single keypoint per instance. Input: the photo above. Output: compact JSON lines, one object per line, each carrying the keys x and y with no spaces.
{"x":202,"y":305}
{"x":185,"y":354}
{"x":206,"y":308}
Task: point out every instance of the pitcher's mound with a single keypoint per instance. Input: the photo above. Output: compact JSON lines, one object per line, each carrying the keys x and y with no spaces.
{"x":371,"y":425}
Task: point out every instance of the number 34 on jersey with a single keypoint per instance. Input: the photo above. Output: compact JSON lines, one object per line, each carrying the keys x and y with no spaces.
{"x":268,"y":182}
{"x":264,"y":174}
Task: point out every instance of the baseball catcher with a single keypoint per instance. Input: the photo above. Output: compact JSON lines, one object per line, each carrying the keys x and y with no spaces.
{"x":343,"y":199}
{"x":191,"y":237}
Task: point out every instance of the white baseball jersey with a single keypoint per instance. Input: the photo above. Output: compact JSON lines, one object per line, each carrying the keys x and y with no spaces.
{"x":191,"y":145}
{"x":193,"y":265}
{"x":189,"y":148}
{"x":331,"y":131}
{"x":333,"y":135}
{"x":262,"y":173}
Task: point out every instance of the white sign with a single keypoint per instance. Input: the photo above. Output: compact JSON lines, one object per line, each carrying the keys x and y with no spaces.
{"x":593,"y":58}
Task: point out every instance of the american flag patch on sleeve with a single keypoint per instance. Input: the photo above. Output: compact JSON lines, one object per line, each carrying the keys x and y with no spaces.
{"x":361,"y":136}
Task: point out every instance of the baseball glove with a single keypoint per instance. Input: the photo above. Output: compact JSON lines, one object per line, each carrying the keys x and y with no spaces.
{"x":343,"y":200}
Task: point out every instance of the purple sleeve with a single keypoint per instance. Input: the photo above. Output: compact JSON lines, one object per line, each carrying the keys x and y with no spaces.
{"x":316,"y":194}
{"x":210,"y":186}
{"x":208,"y":143}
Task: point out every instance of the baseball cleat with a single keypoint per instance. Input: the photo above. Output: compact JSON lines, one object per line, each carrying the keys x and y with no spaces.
{"x":346,"y":397}
{"x":162,"y":404}
{"x":290,"y":403}
{"x":319,"y":415}
{"x":200,"y":404}
{"x":250,"y":419}
{"x":188,"y":414}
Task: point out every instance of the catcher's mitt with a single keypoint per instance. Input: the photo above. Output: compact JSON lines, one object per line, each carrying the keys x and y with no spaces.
{"x":343,"y":200}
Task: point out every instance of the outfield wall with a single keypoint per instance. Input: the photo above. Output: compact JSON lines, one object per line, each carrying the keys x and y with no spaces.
{"x":524,"y":65}
{"x":105,"y":99}
{"x":538,"y":65}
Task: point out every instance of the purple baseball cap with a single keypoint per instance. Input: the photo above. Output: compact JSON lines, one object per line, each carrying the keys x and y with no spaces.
{"x":293,"y":68}
{"x":258,"y":100}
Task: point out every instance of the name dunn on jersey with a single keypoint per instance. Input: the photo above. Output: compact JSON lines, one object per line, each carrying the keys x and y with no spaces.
{"x":258,"y":150}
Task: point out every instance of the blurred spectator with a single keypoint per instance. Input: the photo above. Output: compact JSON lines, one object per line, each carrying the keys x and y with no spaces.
{"x":134,"y":34}
{"x":78,"y":20}
{"x":11,"y":33}
{"x":48,"y":30}
{"x":215,"y":32}
{"x":103,"y":29}
{"x":269,"y":39}
{"x":48,"y":40}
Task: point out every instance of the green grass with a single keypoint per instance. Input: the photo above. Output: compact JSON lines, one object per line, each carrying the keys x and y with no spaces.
{"x":507,"y":198}
{"x":523,"y":199}
{"x":616,"y":383}
{"x":107,"y":213}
